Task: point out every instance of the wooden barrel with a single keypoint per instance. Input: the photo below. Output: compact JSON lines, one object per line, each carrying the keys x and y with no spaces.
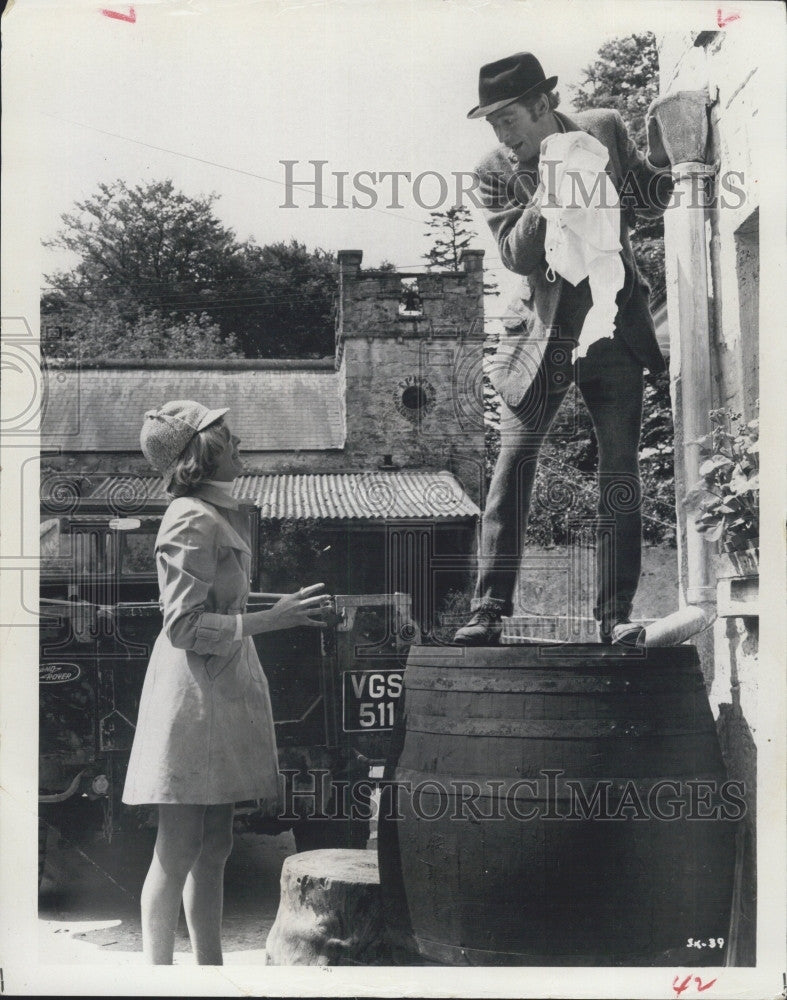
{"x":557,"y":805}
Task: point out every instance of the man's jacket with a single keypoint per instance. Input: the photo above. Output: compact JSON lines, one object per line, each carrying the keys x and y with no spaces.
{"x":506,"y":190}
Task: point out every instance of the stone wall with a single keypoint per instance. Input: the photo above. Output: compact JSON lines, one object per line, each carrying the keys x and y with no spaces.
{"x":413,"y":377}
{"x":734,"y":702}
{"x":256,"y":462}
{"x":725,"y":65}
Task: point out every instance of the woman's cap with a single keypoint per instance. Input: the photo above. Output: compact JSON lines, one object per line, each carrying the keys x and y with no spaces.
{"x":167,"y":430}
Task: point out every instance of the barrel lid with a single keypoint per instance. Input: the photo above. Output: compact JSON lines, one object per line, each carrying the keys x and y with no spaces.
{"x":578,"y":657}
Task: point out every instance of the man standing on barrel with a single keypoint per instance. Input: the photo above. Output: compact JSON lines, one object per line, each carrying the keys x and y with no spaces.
{"x":520,"y":102}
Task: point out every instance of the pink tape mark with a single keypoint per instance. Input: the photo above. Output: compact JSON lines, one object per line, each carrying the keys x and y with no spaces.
{"x":130,"y":17}
{"x":723,"y":19}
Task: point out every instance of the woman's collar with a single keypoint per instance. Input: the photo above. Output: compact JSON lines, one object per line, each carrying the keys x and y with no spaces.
{"x":221,"y":484}
{"x":217,"y":492}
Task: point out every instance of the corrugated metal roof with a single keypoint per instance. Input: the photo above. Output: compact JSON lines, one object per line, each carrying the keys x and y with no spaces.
{"x":279,"y":410}
{"x":360,"y":495}
{"x":401,"y":494}
{"x":125,"y":492}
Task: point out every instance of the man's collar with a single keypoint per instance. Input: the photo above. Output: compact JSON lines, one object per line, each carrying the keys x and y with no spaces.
{"x":568,"y":124}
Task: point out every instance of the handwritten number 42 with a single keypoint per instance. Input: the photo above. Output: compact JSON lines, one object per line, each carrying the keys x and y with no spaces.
{"x":679,"y":988}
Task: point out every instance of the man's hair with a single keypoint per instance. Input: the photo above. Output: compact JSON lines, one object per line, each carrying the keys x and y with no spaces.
{"x":529,"y":100}
{"x":199,"y":459}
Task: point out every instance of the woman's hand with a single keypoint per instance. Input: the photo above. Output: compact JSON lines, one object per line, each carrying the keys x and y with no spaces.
{"x":304,"y":607}
{"x":300,"y":608}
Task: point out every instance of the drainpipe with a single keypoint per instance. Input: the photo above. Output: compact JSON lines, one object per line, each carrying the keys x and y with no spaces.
{"x":683,"y":120}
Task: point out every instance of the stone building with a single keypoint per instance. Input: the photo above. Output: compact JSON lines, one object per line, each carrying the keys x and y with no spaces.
{"x":711,"y":92}
{"x":375,"y":449}
{"x":409,"y":357}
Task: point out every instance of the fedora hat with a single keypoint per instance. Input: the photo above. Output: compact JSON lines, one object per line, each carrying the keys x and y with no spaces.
{"x":167,"y":430}
{"x":505,"y":81}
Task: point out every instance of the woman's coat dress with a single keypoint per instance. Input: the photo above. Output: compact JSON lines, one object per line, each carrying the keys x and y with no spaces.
{"x":205,"y":730}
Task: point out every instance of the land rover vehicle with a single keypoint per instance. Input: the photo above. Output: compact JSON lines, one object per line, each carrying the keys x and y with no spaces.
{"x":333,"y":691}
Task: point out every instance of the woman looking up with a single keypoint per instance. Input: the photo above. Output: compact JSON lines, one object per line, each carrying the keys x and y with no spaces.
{"x":205,"y":736}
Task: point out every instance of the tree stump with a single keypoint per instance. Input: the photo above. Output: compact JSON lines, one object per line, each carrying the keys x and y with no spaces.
{"x":330,"y":912}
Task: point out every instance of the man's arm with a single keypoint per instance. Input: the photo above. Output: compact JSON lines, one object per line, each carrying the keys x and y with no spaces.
{"x":513,"y":214}
{"x":647,"y":181}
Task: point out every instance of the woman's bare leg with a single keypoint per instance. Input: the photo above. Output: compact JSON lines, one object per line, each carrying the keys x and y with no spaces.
{"x":178,"y":845}
{"x":203,"y":894}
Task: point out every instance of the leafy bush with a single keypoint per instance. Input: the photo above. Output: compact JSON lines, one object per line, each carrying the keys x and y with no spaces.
{"x":565,"y":491}
{"x":88,"y":336}
{"x":728,"y":493}
{"x":454,"y":610}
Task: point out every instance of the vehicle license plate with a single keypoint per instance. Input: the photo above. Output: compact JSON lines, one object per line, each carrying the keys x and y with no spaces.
{"x":369,"y":699}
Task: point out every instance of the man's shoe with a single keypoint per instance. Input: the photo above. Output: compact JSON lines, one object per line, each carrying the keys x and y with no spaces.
{"x":619,"y":632}
{"x":627,"y":634}
{"x":484,"y":628}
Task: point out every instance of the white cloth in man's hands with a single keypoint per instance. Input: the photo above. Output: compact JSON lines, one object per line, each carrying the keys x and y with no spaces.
{"x":582,"y":213}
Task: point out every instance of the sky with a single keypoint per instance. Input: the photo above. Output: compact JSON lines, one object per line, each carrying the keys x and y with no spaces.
{"x":216,"y":94}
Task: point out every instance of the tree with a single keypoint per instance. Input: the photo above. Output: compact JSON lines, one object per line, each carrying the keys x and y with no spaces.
{"x":450,"y":233}
{"x":151,"y":252}
{"x":283,"y":305}
{"x":625,"y":76}
{"x":142,"y":248}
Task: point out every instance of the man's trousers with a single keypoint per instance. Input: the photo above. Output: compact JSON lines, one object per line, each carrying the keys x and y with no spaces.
{"x":610,"y":381}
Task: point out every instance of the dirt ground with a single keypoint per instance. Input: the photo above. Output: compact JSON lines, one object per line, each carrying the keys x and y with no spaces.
{"x":89,"y":899}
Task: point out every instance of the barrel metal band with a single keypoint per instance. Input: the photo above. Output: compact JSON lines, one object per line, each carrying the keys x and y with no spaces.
{"x":439,"y":783}
{"x":554,"y":729}
{"x":548,"y":682}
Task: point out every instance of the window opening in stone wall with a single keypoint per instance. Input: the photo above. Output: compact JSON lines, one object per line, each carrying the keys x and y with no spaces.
{"x":410,"y":303}
{"x":414,"y":397}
